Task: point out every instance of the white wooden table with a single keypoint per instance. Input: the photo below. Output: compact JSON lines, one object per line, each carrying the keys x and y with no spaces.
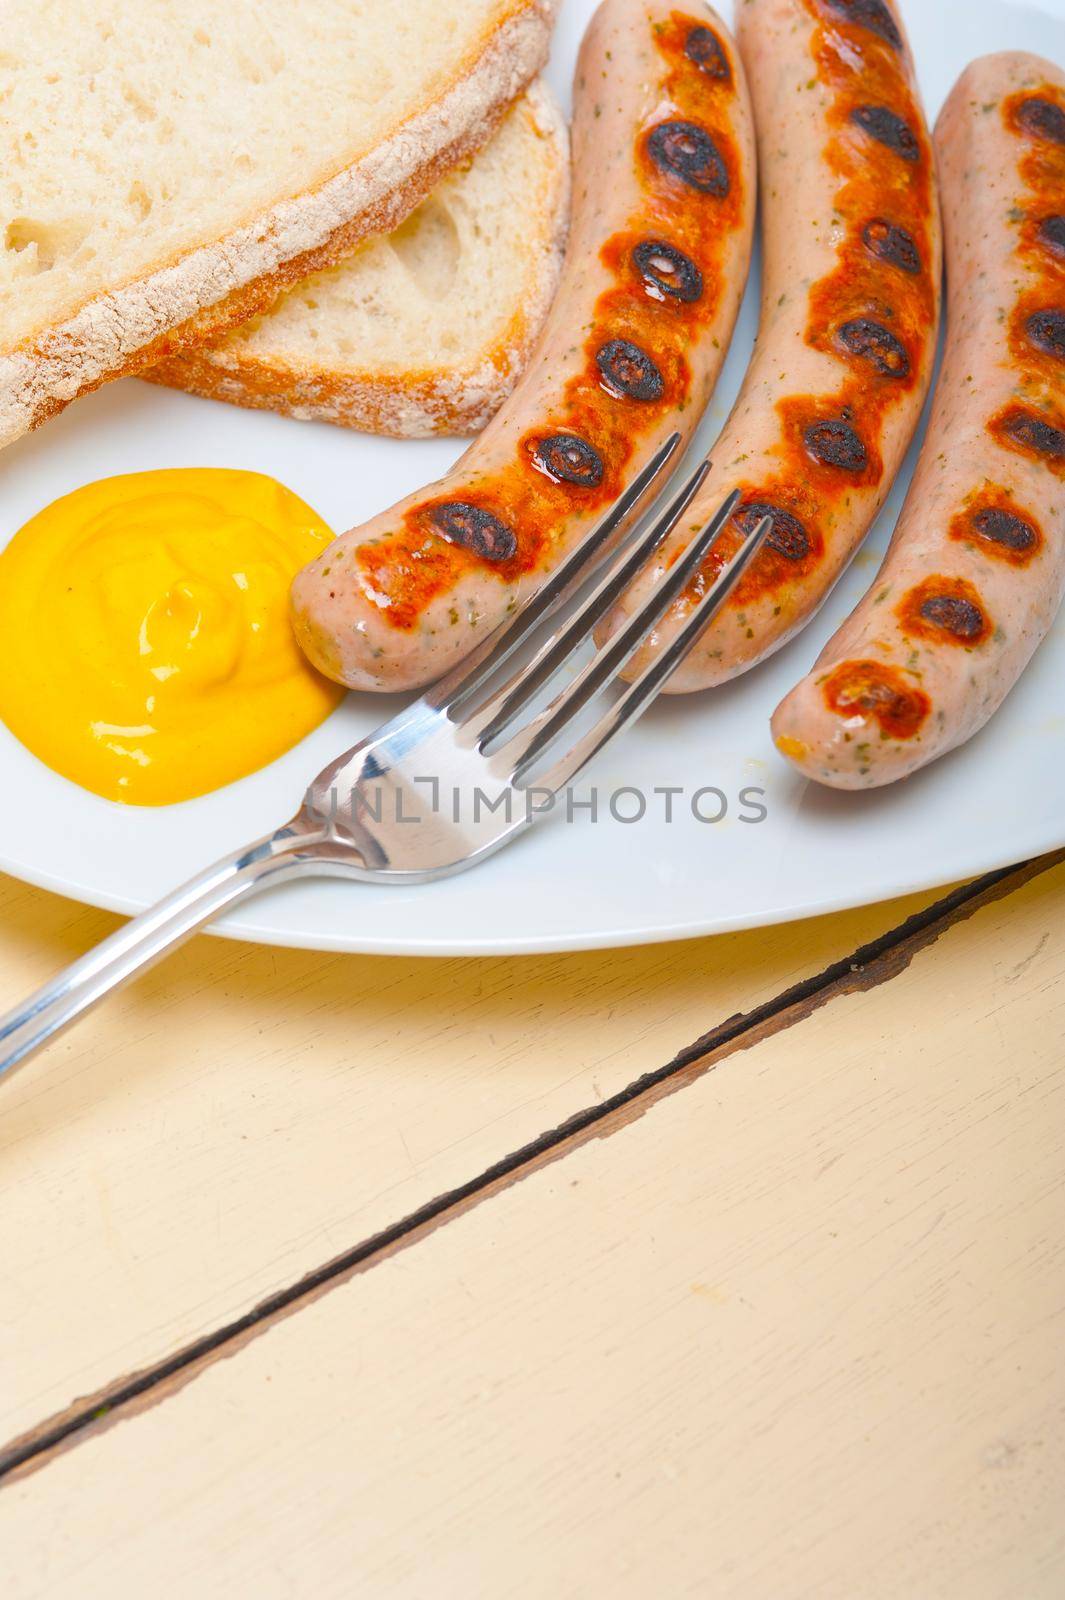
{"x":732,"y":1268}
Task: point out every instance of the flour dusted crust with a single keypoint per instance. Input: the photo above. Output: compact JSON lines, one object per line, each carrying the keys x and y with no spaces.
{"x":418,"y":402}
{"x":205,"y":293}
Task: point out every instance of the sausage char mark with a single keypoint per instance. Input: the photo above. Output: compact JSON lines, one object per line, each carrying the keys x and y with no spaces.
{"x":1034,"y":433}
{"x":835,"y":444}
{"x":1032,"y":436}
{"x":1005,"y":531}
{"x":667,"y":271}
{"x":871,"y":341}
{"x":474,"y":529}
{"x":787,"y":536}
{"x":1051,"y":233}
{"x":1042,"y":118}
{"x":959,"y":619}
{"x":706,"y":50}
{"x":793,"y":548}
{"x":1037,"y":323}
{"x":892,"y":244}
{"x":628,"y":370}
{"x":574,"y":459}
{"x":569,"y":459}
{"x":945,"y":611}
{"x":871,"y":14}
{"x":689,"y":153}
{"x":874,"y":689}
{"x":888,"y":129}
{"x":996,"y":525}
{"x":1046,"y":329}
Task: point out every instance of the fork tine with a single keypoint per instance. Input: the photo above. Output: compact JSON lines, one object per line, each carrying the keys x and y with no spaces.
{"x":507,"y":702}
{"x":534,"y":739}
{"x":639,"y":694}
{"x":452,"y":691}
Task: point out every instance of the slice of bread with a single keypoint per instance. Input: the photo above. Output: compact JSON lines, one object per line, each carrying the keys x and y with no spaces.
{"x":425,"y":330}
{"x":170,"y":167}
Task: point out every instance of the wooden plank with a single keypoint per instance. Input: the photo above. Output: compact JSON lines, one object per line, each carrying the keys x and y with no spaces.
{"x":793,"y":1331}
{"x":242,"y":1115}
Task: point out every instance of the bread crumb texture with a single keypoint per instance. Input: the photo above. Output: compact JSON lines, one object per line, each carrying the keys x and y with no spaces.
{"x":162,"y":157}
{"x":427,"y":329}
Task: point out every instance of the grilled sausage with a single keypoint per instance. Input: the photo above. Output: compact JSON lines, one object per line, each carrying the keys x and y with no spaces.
{"x":976,"y":569}
{"x":850,"y":317}
{"x":658,"y":258}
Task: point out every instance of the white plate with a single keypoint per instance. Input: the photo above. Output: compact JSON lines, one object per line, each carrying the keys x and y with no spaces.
{"x":569,"y":885}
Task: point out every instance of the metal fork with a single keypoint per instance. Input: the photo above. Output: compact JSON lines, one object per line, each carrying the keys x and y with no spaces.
{"x":375,"y":814}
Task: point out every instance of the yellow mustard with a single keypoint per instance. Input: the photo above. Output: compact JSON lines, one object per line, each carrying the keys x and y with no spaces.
{"x":145,"y":646}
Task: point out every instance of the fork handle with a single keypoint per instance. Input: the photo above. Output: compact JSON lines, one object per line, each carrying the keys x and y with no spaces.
{"x":288,"y":853}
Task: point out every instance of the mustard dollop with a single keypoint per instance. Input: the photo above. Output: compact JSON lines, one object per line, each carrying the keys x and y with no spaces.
{"x":145,"y":646}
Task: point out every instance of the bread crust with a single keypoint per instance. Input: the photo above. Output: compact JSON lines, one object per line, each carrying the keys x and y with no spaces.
{"x":203,"y":294}
{"x":416,"y":403}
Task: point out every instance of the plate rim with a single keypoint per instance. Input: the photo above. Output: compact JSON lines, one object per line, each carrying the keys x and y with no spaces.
{"x":230,"y":928}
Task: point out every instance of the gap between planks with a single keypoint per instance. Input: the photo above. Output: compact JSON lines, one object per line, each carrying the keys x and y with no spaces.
{"x":869,"y":966}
